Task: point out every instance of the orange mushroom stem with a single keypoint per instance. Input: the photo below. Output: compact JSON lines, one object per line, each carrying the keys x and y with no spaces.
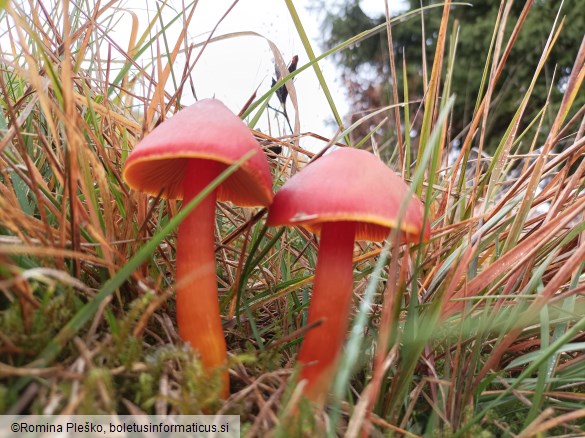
{"x":177,"y":160}
{"x":330,"y":304}
{"x":345,"y":195}
{"x":198,"y":316}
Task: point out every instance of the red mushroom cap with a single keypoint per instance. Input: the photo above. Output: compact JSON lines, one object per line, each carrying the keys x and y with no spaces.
{"x":207,"y":130}
{"x":349,"y":185}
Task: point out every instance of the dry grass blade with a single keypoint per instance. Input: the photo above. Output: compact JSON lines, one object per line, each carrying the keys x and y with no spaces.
{"x":87,"y":265}
{"x":542,"y":425}
{"x":514,"y":259}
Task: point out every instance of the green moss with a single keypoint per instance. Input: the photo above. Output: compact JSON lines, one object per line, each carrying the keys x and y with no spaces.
{"x":3,"y":398}
{"x":99,"y":394}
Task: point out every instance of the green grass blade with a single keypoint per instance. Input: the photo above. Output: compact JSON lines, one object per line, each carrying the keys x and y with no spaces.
{"x":91,"y":307}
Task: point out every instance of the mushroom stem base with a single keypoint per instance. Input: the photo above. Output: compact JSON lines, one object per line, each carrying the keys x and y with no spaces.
{"x":330,"y":304}
{"x":198,"y":316}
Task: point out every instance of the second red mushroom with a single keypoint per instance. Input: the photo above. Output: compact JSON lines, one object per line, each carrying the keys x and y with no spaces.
{"x":346,"y":195}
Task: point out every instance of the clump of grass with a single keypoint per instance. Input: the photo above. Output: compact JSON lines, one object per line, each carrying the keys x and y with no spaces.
{"x":477,"y":332}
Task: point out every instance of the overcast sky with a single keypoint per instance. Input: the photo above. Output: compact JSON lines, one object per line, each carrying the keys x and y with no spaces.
{"x":231,"y":70}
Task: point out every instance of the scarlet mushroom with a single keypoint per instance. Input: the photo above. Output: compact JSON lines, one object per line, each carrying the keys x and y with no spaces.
{"x":178,"y":159}
{"x":344,"y":196}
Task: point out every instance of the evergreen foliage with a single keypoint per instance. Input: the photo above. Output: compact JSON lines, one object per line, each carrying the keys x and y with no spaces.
{"x":366,"y":63}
